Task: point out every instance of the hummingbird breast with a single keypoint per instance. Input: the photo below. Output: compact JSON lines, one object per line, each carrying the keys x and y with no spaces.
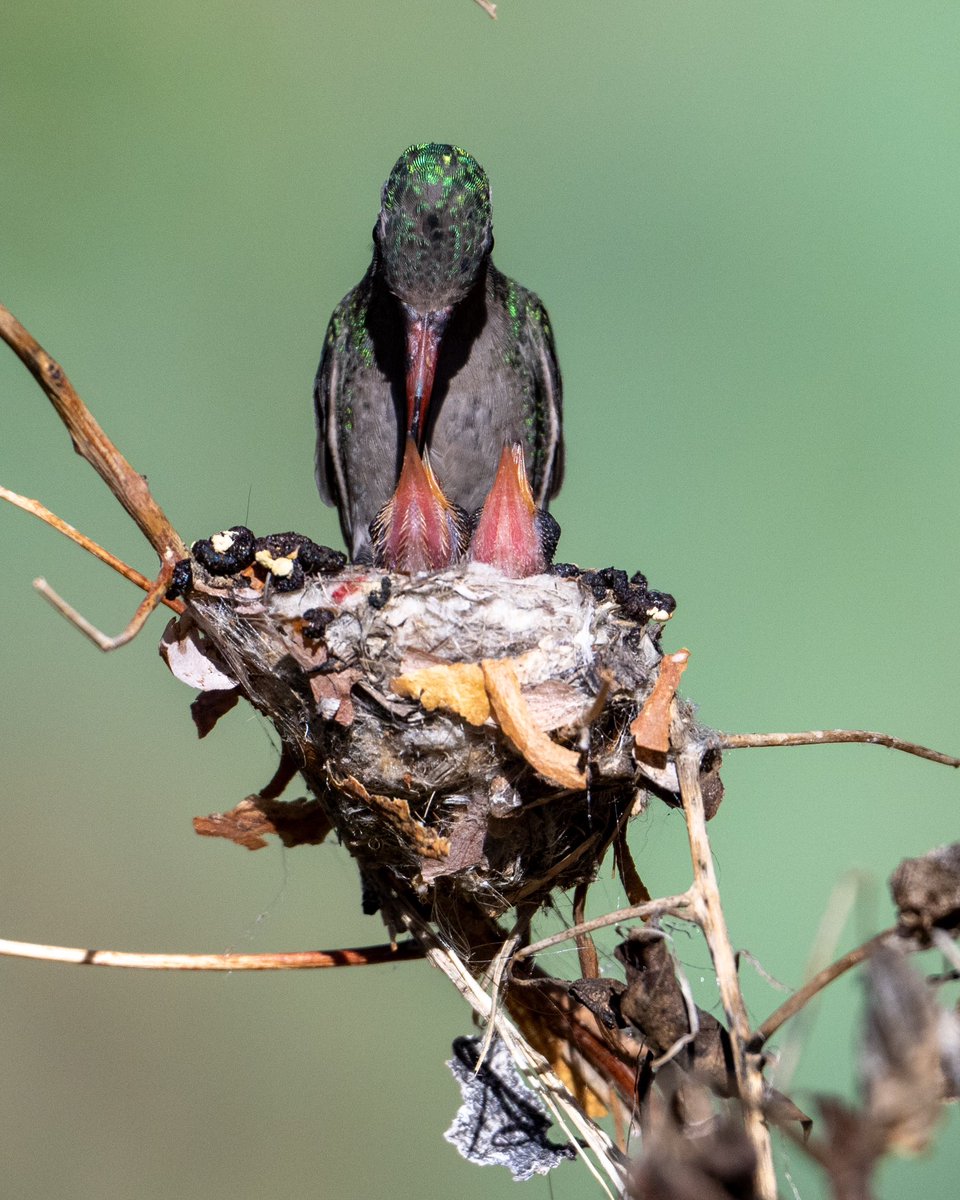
{"x":496,"y":383}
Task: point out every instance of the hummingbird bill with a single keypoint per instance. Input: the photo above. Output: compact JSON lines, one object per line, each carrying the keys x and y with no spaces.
{"x":438,"y":346}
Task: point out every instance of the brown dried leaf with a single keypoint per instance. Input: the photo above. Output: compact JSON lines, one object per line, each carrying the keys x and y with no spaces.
{"x":396,"y":811}
{"x":717,"y":1165}
{"x":209,"y":707}
{"x":466,"y":841}
{"x":926,"y":891}
{"x":900,"y":1056}
{"x":633,"y":885}
{"x":554,"y":762}
{"x":598,"y":996}
{"x":556,"y":1049}
{"x":850,"y":1150}
{"x":651,"y":726}
{"x":653,"y":1003}
{"x":296,"y":823}
{"x":457,"y":687}
{"x":332,"y":694}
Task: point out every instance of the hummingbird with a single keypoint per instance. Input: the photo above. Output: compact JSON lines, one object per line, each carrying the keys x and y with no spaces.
{"x":434,"y":343}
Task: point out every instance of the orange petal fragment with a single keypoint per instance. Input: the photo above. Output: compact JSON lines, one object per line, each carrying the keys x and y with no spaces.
{"x":554,"y":762}
{"x":458,"y":687}
{"x":651,"y":726}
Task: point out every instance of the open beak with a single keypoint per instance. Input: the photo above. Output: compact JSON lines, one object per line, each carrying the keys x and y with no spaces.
{"x":418,"y":529}
{"x":424,"y":331}
{"x":507,"y":533}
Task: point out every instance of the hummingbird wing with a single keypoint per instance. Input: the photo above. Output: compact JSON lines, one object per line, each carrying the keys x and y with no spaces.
{"x":358,"y":422}
{"x":546,"y":461}
{"x":326,"y":393}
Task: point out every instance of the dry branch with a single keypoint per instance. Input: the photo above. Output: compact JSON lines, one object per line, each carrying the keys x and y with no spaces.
{"x":296,"y":960}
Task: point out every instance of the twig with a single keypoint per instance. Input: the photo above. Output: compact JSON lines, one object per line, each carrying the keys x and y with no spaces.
{"x":494,"y":981}
{"x":50,"y":518}
{"x":153,"y":597}
{"x":489,"y":8}
{"x":824,"y":737}
{"x":713,"y":923}
{"x":91,"y":443}
{"x":299,"y":960}
{"x":672,"y":905}
{"x":815,"y":984}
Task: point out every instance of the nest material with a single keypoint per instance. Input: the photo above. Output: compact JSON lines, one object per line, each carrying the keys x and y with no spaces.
{"x":463,"y":732}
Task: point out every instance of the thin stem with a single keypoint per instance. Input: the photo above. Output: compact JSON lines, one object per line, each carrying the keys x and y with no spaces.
{"x":153,"y":597}
{"x":300,"y":960}
{"x":713,"y":923}
{"x":815,"y":984}
{"x":50,"y":518}
{"x":824,"y":737}
{"x":672,"y":905}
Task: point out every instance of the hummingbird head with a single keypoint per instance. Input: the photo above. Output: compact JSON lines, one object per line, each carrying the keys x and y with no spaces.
{"x":435,"y":229}
{"x":434,"y":236}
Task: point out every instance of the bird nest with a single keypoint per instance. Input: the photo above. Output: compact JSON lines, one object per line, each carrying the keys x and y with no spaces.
{"x":464,"y":734}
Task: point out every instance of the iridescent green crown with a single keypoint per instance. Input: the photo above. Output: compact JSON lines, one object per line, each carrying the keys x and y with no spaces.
{"x":435,"y":229}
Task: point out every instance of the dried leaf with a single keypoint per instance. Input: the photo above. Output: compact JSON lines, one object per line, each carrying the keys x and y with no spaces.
{"x":554,"y":762}
{"x":600,"y":997}
{"x":192,"y":658}
{"x":296,"y":823}
{"x":458,"y":687}
{"x":332,"y":694}
{"x":654,"y":1004}
{"x":717,"y":1165}
{"x":209,"y":707}
{"x":586,"y":946}
{"x":467,"y":837}
{"x":850,"y":1151}
{"x":926,"y":891}
{"x":651,"y":727}
{"x":633,"y":885}
{"x":426,"y":841}
{"x":900,"y":1057}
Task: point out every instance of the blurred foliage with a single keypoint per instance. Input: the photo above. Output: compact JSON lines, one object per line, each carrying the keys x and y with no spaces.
{"x":743,"y":221}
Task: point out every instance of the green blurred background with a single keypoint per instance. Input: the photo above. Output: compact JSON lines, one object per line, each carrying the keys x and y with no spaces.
{"x":743,"y":219}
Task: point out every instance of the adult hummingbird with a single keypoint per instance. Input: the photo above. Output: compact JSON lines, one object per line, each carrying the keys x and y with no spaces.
{"x":435,"y":343}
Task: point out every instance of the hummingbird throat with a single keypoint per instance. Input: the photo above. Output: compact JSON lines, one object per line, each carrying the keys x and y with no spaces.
{"x":424,"y":331}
